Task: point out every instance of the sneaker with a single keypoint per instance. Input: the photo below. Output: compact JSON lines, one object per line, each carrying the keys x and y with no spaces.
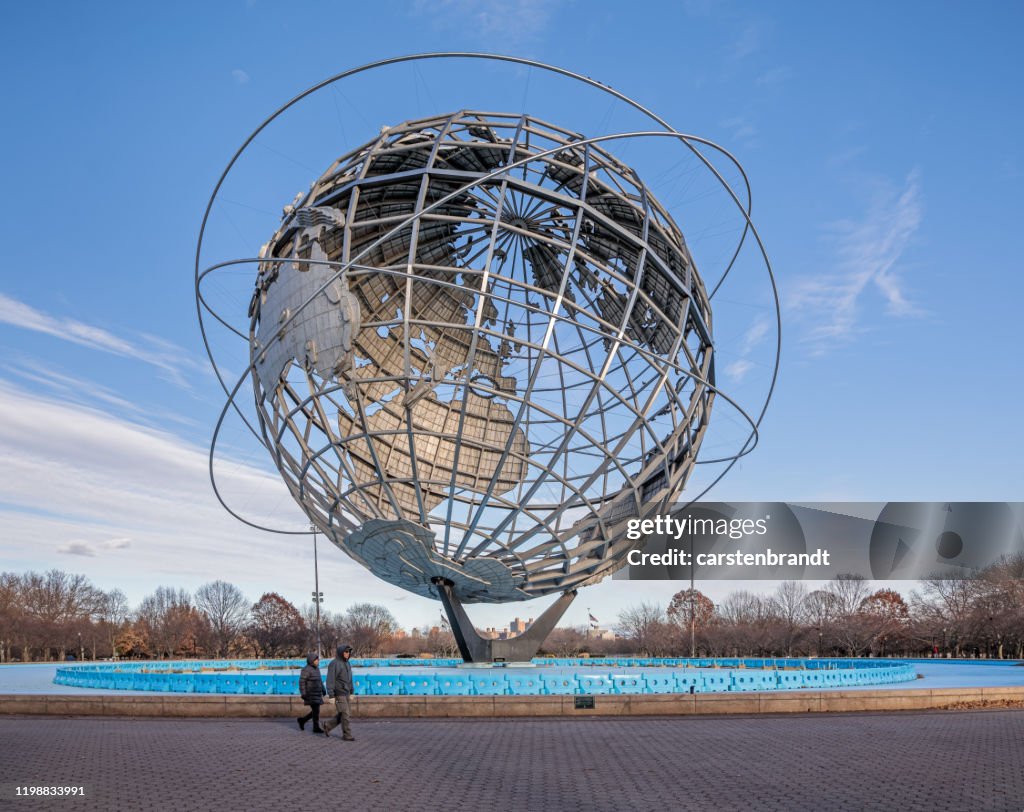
{"x":348,"y":738}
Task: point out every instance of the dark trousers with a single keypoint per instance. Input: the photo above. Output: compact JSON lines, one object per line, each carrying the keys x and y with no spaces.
{"x":314,"y":714}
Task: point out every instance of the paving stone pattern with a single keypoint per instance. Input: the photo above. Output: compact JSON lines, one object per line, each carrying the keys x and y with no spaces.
{"x":966,"y":760}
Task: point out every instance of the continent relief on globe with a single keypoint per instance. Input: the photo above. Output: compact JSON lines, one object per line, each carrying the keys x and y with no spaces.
{"x":397,"y":397}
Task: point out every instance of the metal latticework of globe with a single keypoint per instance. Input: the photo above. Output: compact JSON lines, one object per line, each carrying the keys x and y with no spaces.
{"x":478,"y":349}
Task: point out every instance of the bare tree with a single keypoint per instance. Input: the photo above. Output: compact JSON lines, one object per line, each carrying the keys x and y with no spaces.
{"x":749,"y":623}
{"x":366,"y":627}
{"x":173,"y":626}
{"x":441,"y":642}
{"x":10,"y":612}
{"x":946,"y":605}
{"x":1002,"y":589}
{"x":821,"y":608}
{"x":59,"y":604}
{"x":790,"y":606}
{"x":853,"y":631}
{"x":568,"y":641}
{"x":226,"y":610}
{"x":111,"y":616}
{"x":646,"y":626}
{"x":849,"y":591}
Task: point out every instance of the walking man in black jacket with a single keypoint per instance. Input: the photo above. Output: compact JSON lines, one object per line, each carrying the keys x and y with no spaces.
{"x":339,"y":686}
{"x":311,"y":688}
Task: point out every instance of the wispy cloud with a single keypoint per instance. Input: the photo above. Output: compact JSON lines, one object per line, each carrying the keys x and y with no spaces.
{"x":774,"y":76}
{"x":741,"y":128}
{"x":867,"y":252}
{"x":76,"y":548}
{"x":845,"y":157}
{"x":240,"y":76}
{"x":74,"y":389}
{"x":755,"y":334}
{"x":89,"y":550}
{"x":170,"y":359}
{"x":738,"y":370}
{"x":116,"y":544}
{"x":516,"y":22}
{"x":98,"y":468}
{"x":132,"y":506}
{"x":748,"y":41}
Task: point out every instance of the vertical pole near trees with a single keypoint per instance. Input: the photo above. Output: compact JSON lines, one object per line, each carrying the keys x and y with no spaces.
{"x":317,"y":596}
{"x":693,"y":615}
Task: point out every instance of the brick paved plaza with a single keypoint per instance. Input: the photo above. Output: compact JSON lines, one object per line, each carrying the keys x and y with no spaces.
{"x":900,"y":761}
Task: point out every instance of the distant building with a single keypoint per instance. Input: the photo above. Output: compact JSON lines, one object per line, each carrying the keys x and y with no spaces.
{"x":516,"y":627}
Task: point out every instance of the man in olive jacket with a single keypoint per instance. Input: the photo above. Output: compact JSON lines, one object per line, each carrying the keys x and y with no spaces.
{"x":339,"y":686}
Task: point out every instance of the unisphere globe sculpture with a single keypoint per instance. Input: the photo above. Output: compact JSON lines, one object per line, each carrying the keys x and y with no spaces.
{"x":479,"y":349}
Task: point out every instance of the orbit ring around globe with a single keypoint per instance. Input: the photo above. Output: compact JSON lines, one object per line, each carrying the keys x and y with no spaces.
{"x":411,"y":314}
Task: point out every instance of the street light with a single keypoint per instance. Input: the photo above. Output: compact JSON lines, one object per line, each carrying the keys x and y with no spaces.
{"x":318,"y":596}
{"x":693,"y":616}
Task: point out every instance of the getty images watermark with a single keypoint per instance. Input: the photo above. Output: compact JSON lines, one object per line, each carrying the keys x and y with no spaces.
{"x":677,"y":529}
{"x":790,"y":540}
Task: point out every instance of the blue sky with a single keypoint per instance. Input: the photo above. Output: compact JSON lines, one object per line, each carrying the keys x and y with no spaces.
{"x":883,"y":143}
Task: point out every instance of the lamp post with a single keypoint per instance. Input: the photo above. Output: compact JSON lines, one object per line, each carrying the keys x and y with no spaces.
{"x":318,"y":596}
{"x":693,"y":615}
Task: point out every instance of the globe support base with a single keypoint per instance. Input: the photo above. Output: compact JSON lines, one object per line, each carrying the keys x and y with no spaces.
{"x":477,"y":649}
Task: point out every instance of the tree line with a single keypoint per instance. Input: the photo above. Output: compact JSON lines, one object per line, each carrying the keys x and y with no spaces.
{"x":56,"y":615}
{"x":978,"y":616}
{"x":53,"y":615}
